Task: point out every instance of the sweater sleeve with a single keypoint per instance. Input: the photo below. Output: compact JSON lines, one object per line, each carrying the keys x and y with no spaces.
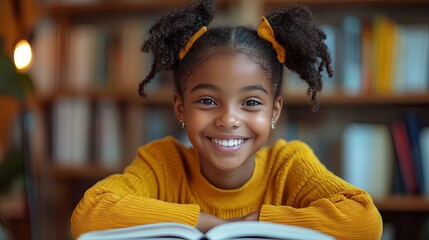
{"x":128,"y":199}
{"x":314,"y":197}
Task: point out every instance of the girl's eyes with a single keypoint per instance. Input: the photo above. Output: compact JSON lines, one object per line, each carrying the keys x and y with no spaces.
{"x":210,"y":102}
{"x":207,"y":101}
{"x":251,"y":103}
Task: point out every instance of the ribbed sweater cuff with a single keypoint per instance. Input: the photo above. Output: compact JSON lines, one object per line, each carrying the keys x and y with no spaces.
{"x":264,"y":214}
{"x":182,"y":213}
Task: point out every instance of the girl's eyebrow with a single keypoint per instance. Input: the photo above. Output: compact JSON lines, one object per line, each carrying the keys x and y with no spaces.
{"x":254,"y":88}
{"x":214,"y":88}
{"x":205,"y":86}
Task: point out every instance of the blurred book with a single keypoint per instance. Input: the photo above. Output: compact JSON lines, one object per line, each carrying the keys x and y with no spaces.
{"x":133,"y":64}
{"x":351,"y":80}
{"x":43,"y":68}
{"x":367,"y":75}
{"x":384,"y":53}
{"x":108,"y":141}
{"x":160,"y":122}
{"x":81,"y":65}
{"x":133,"y":131}
{"x":71,"y":126}
{"x":367,"y":158}
{"x":411,"y":70}
{"x":414,"y":125}
{"x":100,"y":79}
{"x":404,"y":155}
{"x":424,"y":147}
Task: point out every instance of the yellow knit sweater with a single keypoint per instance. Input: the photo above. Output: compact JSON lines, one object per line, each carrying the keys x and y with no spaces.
{"x":289,"y":185}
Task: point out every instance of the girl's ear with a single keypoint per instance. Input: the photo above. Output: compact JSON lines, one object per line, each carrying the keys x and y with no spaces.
{"x":179,"y":107}
{"x":277,"y":108}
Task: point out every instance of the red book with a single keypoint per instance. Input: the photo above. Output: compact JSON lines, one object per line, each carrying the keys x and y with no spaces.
{"x":405,"y":157}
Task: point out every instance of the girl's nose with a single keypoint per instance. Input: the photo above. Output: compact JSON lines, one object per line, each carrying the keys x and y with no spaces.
{"x":228,"y":119}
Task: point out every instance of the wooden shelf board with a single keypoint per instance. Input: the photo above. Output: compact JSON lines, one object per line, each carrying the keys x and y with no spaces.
{"x":363,"y":100}
{"x":117,"y":7}
{"x":348,"y":3}
{"x":403,"y":204}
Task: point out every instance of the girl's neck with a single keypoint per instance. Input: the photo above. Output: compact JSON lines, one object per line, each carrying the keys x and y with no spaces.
{"x":229,"y":179}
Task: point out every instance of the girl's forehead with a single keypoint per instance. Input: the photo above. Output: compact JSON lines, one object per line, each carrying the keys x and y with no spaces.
{"x":229,"y":71}
{"x":231,"y":63}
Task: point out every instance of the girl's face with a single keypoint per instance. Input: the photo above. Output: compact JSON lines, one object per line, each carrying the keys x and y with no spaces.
{"x":228,"y":108}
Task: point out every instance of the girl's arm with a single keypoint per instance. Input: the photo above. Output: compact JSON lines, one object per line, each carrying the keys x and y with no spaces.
{"x":314,"y":197}
{"x":128,"y":200}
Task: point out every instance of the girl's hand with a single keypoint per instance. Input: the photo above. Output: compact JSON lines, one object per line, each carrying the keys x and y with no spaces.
{"x":251,"y":217}
{"x":207,"y":221}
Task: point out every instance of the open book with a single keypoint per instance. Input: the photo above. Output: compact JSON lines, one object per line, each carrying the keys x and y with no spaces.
{"x":234,"y":230}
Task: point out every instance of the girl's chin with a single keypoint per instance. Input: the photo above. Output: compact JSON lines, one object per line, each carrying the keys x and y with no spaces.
{"x":227,"y":163}
{"x":226,"y":167}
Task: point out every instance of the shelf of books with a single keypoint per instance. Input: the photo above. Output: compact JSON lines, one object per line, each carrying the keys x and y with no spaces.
{"x":372,"y":127}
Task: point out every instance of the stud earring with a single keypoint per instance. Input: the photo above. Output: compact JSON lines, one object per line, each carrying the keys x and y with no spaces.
{"x":273,"y":125}
{"x":183,"y":123}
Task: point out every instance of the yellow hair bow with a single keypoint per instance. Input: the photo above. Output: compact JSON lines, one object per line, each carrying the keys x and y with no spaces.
{"x":191,"y":41}
{"x":266,"y":32}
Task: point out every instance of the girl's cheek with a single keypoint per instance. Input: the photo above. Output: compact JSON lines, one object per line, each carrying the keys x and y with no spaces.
{"x":262,"y":121}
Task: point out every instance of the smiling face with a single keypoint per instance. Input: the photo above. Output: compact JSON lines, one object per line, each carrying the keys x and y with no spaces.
{"x":228,"y":105}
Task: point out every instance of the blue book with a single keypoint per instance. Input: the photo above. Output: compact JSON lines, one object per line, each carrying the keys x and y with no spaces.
{"x":414,"y":125}
{"x":351,"y":55}
{"x":424,"y":148}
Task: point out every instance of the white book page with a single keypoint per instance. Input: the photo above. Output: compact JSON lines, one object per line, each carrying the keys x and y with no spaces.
{"x":249,"y":230}
{"x":157,"y":230}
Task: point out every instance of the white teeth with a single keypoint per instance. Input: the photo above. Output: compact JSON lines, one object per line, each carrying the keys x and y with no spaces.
{"x":228,"y":143}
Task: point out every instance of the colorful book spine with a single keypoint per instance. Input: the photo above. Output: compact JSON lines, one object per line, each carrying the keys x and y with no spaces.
{"x":404,"y":155}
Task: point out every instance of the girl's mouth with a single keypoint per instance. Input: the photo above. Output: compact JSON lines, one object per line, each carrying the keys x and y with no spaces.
{"x":228,"y":142}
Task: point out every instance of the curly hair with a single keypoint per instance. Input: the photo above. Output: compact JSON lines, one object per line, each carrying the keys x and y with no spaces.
{"x":294,"y":29}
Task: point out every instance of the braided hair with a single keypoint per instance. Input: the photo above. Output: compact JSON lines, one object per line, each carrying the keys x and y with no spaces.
{"x":294,"y":29}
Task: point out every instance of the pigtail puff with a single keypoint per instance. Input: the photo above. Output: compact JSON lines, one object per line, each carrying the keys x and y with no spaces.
{"x":306,"y":51}
{"x":171,"y":33}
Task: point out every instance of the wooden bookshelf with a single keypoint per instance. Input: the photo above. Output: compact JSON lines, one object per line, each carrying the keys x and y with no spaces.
{"x":403,"y":204}
{"x":335,"y":107}
{"x":338,"y":4}
{"x":361,"y":100}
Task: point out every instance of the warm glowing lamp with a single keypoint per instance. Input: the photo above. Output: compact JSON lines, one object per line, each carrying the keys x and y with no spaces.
{"x":22,"y":55}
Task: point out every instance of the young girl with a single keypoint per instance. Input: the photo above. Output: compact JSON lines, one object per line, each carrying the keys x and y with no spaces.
{"x":228,"y":82}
